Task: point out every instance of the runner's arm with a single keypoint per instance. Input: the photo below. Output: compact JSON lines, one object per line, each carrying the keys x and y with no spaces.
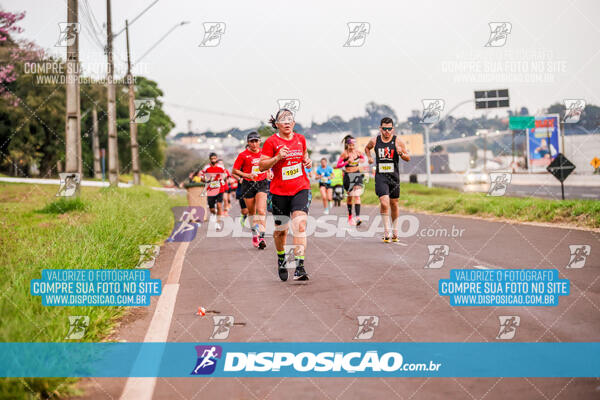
{"x":267,"y":162}
{"x":242,"y":174}
{"x":402,"y":150}
{"x":368,"y":148}
{"x":342,"y":161}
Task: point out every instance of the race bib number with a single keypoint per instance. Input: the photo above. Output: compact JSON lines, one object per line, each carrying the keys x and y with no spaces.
{"x":291,"y":172}
{"x":255,"y":169}
{"x":324,"y":179}
{"x":385,"y":168}
{"x":214,"y":184}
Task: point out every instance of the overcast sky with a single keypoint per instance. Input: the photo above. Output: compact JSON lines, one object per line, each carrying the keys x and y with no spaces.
{"x":294,"y":50}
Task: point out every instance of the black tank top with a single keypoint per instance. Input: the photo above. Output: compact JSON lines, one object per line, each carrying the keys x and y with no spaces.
{"x":387,"y":157}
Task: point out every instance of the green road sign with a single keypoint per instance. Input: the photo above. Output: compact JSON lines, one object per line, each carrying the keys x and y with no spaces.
{"x":521,"y":122}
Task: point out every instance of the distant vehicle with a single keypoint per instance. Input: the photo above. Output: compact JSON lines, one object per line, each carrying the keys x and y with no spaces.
{"x":475,"y":176}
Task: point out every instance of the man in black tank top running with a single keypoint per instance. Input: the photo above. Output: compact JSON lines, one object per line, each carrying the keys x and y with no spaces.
{"x":389,"y":149}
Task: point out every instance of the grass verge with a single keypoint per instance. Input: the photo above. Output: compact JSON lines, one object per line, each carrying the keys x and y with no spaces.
{"x":101,"y":229}
{"x":415,"y":197}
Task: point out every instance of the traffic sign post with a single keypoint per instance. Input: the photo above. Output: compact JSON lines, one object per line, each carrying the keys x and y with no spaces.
{"x":561,"y":168}
{"x":520,"y":122}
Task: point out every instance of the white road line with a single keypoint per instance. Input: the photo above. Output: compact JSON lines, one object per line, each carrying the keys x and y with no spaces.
{"x":143,"y":388}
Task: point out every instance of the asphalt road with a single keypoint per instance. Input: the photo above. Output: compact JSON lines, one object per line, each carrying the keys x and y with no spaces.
{"x":352,"y":277}
{"x":544,"y":191}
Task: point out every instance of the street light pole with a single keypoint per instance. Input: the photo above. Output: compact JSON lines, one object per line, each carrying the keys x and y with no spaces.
{"x":427,"y":128}
{"x":135,"y":157}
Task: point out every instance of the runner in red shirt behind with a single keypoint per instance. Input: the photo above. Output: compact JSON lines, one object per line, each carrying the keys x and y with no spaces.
{"x":285,"y":152}
{"x":214,"y":175}
{"x":254,"y":187}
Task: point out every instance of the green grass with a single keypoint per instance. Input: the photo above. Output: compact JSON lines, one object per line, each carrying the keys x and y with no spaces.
{"x":415,"y":197}
{"x":101,"y":229}
{"x":63,"y":205}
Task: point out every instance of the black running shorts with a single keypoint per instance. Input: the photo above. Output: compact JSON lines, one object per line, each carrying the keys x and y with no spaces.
{"x":251,"y":188}
{"x":284,"y":206}
{"x":387,"y":185}
{"x":213,"y":200}
{"x":352,"y":179}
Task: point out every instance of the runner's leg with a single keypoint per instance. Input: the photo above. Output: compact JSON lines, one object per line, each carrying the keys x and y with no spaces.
{"x":395,"y":213}
{"x":323,"y":191}
{"x":260,"y":215}
{"x":299,"y":232}
{"x":251,"y":204}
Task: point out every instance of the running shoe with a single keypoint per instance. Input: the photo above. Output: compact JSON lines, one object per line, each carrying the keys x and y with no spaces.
{"x":351,"y":221}
{"x":326,"y":212}
{"x":242,"y":220}
{"x":395,"y":239}
{"x":255,"y":240}
{"x":358,"y":221}
{"x":262,"y":243}
{"x":386,"y":239}
{"x":282,"y":268}
{"x":300,"y":274}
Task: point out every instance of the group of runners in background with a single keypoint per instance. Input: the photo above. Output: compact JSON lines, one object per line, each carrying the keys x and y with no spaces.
{"x":279,"y":172}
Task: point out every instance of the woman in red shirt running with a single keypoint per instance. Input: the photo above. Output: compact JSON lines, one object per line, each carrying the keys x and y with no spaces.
{"x":285,"y":152}
{"x":254,"y":188}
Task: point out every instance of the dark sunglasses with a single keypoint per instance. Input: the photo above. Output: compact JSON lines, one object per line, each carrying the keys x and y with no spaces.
{"x":387,"y":129}
{"x":253,"y":140}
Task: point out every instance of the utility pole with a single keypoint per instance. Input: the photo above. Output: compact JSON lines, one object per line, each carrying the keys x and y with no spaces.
{"x":113,"y":161}
{"x":135,"y":157}
{"x":72,"y":128}
{"x":96,"y":144}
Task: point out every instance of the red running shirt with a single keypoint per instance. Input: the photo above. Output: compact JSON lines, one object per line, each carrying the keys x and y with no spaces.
{"x":289,"y":176}
{"x":247,"y":162}
{"x":215,"y":177}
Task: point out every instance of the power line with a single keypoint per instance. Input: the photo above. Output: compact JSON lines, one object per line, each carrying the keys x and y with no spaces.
{"x":135,"y":19}
{"x":95,"y":23}
{"x":91,"y":30}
